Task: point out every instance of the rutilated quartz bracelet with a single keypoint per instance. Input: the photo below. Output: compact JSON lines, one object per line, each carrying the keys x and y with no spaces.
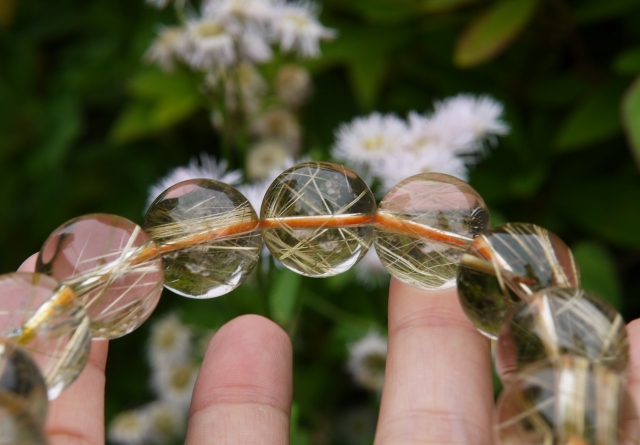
{"x":562,"y":352}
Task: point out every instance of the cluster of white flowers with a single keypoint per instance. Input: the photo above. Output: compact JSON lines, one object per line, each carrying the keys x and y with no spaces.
{"x":231,"y":31}
{"x":174,"y":372}
{"x":390,"y":149}
{"x":367,"y":361}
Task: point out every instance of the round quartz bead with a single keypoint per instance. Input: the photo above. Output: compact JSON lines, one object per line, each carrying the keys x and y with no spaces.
{"x":424,"y":225}
{"x":20,"y":379}
{"x":566,"y":403}
{"x":317,"y":218}
{"x":208,"y":234}
{"x":112,"y":265}
{"x":562,"y":321}
{"x":17,"y":425}
{"x":507,"y":264}
{"x":48,"y":320}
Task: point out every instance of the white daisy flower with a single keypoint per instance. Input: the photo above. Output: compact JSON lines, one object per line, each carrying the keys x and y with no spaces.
{"x":167,"y":422}
{"x":437,"y":160}
{"x":265,"y":157}
{"x":131,"y":427}
{"x":253,"y":45}
{"x":169,"y":342}
{"x":174,"y":384}
{"x":367,"y":141}
{"x":259,"y":11}
{"x":370,"y":271}
{"x":208,"y":167}
{"x":171,"y":45}
{"x":293,"y":85}
{"x":281,"y":125}
{"x":296,"y":28}
{"x":160,"y":4}
{"x":210,"y":45}
{"x":465,"y":120}
{"x":367,"y":361}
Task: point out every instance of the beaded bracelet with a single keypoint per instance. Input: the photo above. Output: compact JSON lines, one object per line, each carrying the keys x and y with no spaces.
{"x":562,"y":352}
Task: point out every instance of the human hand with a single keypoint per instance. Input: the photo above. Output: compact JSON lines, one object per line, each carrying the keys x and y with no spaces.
{"x":438,"y":383}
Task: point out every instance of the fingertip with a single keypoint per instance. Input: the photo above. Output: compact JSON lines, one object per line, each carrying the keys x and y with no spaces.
{"x":244,"y":388}
{"x":249,"y":360}
{"x":29,"y":265}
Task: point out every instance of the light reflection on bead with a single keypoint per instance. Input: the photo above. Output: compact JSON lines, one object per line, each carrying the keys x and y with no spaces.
{"x":17,"y":425}
{"x":562,"y":321}
{"x":509,"y":263}
{"x":317,"y":217}
{"x":423,"y":226}
{"x":111,"y":264}
{"x":48,"y":320}
{"x":21,"y":379}
{"x":208,"y":233}
{"x":566,"y":403}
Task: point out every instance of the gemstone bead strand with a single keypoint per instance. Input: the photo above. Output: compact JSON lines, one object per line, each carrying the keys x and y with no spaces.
{"x":562,"y":352}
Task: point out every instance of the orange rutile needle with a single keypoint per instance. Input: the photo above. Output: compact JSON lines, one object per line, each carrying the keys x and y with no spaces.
{"x":221,"y":232}
{"x":63,"y":296}
{"x":319,"y":221}
{"x":412,"y":229}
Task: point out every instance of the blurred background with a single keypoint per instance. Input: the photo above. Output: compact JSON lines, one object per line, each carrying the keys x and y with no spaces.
{"x":87,"y":125}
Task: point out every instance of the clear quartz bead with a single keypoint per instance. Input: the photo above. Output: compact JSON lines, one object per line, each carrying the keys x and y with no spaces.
{"x":423,"y":226}
{"x":113,"y":266}
{"x":17,"y":425}
{"x":562,"y":321}
{"x":49,"y":322}
{"x":21,"y":379}
{"x":507,"y":264}
{"x":317,"y":218}
{"x":208,"y":234}
{"x":570,"y":402}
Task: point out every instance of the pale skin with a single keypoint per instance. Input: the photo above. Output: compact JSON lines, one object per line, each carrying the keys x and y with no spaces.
{"x":438,"y":384}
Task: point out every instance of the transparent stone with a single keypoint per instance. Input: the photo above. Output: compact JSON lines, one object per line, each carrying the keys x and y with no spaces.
{"x":111,"y":264}
{"x":507,"y":264}
{"x":17,"y":425}
{"x":566,"y":403}
{"x":317,"y":218}
{"x":423,"y":226}
{"x":208,"y":234}
{"x":21,"y":379}
{"x":49,"y":322}
{"x":562,"y":321}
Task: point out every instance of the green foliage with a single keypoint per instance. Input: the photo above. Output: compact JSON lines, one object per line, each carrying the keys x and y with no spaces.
{"x":493,"y":31}
{"x":598,"y":271}
{"x":631,"y":118}
{"x":160,"y":101}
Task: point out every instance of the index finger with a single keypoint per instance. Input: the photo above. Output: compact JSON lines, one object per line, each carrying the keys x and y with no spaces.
{"x":438,"y":384}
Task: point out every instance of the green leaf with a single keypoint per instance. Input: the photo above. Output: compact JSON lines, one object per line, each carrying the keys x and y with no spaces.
{"x":444,"y":5}
{"x":631,"y":118}
{"x":596,"y":10}
{"x":365,"y":52}
{"x":627,"y":62}
{"x":492,"y":32}
{"x":607,"y":209}
{"x":62,"y":127}
{"x":283,"y":296}
{"x":160,"y":101}
{"x":7,"y":12}
{"x":598,"y":271}
{"x":594,"y":120}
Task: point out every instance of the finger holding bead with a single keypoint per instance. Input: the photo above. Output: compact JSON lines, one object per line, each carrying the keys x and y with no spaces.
{"x":438,"y":384}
